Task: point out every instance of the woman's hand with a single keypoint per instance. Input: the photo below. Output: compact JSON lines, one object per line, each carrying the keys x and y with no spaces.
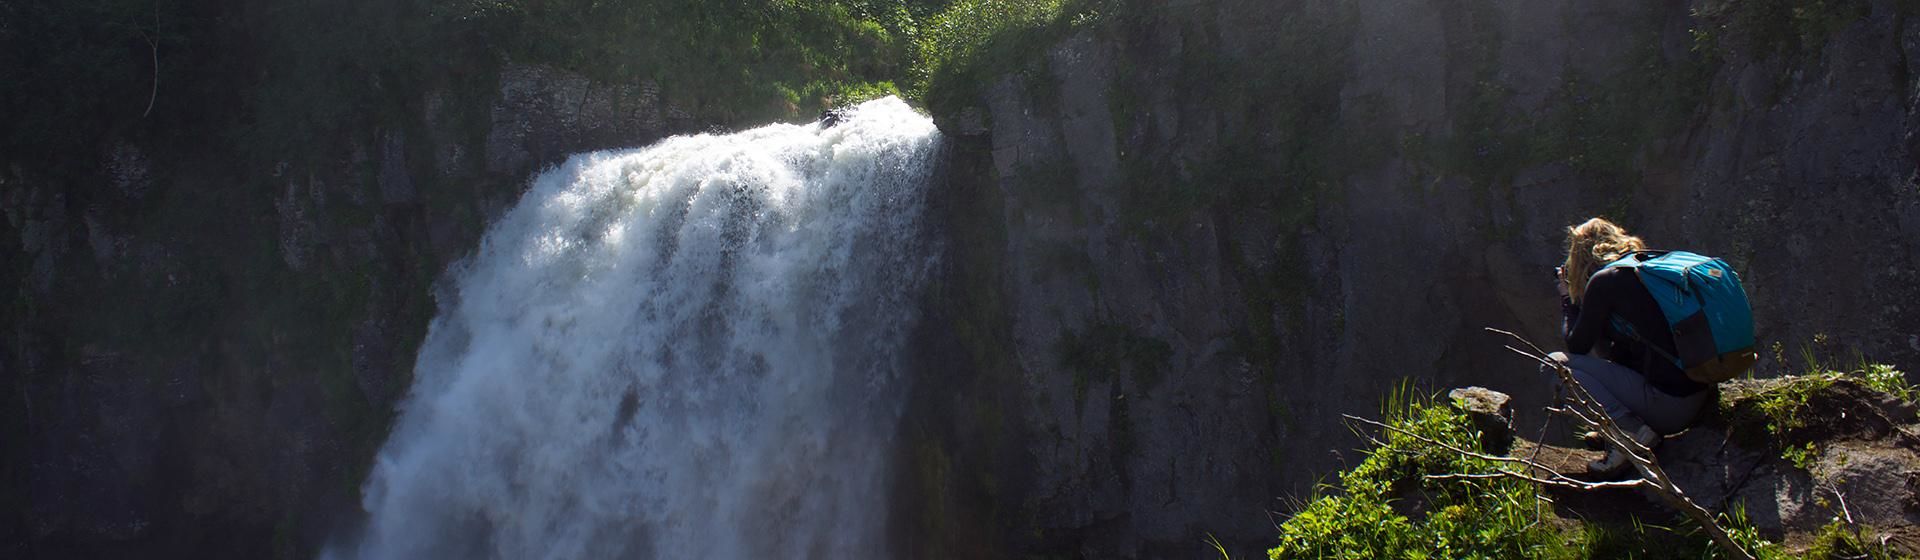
{"x":1560,"y":272}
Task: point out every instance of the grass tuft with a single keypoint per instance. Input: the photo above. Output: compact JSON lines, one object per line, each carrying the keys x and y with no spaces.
{"x":1384,"y":507}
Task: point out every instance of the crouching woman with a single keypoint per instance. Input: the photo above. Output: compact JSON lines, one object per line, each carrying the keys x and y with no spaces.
{"x":1646,"y":395}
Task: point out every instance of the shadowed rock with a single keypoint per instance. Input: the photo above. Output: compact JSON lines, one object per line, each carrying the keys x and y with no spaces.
{"x":1858,"y":459}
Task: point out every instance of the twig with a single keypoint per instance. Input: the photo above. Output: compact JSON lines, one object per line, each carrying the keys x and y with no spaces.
{"x":1522,"y":339}
{"x":1473,"y":454}
{"x":1428,"y":440}
{"x":1843,"y":504}
{"x":1596,"y":414}
{"x":153,"y":47}
{"x":1534,"y":457}
{"x":1568,"y":484}
{"x":1653,"y":478}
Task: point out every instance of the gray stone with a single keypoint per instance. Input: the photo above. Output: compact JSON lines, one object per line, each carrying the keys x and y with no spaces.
{"x":128,"y":169}
{"x":396,"y":184}
{"x":296,"y":230}
{"x":1279,"y":313}
{"x":1491,"y":412}
{"x":1399,"y":263}
{"x":543,"y":114}
{"x":972,"y":121}
{"x":103,"y":242}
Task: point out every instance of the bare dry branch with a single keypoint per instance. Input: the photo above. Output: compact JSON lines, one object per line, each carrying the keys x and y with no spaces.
{"x":1568,"y":484}
{"x":1582,"y":406}
{"x":1843,"y":503}
{"x":1482,"y":456}
{"x":1522,"y":339}
{"x":153,"y":47}
{"x":153,"y":94}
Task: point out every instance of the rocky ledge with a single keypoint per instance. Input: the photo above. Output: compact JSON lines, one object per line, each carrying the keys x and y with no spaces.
{"x":1794,"y":456}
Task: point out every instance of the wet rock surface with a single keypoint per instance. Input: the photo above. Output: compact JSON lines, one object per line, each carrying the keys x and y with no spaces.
{"x":201,"y":356}
{"x":1155,"y":196}
{"x":1183,"y":243}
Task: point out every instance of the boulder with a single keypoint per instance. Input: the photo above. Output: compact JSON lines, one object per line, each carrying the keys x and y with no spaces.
{"x":1492,"y":414}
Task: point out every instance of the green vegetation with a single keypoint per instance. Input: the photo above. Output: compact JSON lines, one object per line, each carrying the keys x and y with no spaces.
{"x":1741,"y":529}
{"x":1275,"y":160}
{"x":1103,"y":350}
{"x":1596,"y":126}
{"x":970,"y":36}
{"x":1287,"y":147}
{"x":1639,"y":539}
{"x":741,"y":61}
{"x":1839,"y":539}
{"x":290,"y":81}
{"x":1365,"y":515}
{"x":1788,"y":404}
{"x":272,"y":79}
{"x":241,"y":109}
{"x":1785,"y":403}
{"x":1775,"y":27}
{"x":769,"y":59}
{"x":1388,"y":507}
{"x":970,"y":42}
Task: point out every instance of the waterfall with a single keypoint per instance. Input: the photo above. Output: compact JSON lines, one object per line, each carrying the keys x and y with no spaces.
{"x":686,"y":350}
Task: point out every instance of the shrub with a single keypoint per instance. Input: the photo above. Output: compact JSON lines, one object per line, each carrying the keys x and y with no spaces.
{"x":1788,"y":403}
{"x":1476,"y":518}
{"x":1388,"y":507}
{"x":971,"y":42}
{"x":1840,"y":539}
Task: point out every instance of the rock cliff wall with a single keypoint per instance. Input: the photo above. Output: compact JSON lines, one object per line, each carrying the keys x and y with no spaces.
{"x":202,"y":354}
{"x":1200,"y":232}
{"x":1183,"y":238}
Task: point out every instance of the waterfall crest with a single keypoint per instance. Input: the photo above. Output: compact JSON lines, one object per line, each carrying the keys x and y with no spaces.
{"x":686,"y":350}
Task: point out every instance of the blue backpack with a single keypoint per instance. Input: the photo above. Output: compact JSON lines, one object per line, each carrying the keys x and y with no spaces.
{"x":1705,"y":307}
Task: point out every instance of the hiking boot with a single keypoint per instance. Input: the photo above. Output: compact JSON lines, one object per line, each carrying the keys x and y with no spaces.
{"x":1616,"y":458}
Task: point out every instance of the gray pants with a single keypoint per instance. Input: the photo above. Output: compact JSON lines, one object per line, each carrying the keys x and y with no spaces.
{"x":1628,"y":398}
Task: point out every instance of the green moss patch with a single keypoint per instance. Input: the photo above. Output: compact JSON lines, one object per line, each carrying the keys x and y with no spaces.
{"x":1104,"y":350}
{"x":1799,"y":414}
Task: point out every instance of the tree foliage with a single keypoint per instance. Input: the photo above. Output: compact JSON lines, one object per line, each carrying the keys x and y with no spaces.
{"x":272,"y":76}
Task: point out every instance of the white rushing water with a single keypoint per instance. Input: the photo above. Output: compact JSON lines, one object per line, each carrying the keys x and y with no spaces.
{"x":687,"y":350}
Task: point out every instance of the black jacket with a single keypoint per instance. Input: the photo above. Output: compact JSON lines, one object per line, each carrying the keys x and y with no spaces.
{"x":1618,"y":292}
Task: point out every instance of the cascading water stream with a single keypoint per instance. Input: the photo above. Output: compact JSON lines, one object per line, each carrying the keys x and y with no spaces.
{"x":687,"y":350}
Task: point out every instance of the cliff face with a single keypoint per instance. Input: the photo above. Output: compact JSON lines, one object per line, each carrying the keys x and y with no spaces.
{"x":1182,"y":240}
{"x":1200,"y":232}
{"x":202,"y":354}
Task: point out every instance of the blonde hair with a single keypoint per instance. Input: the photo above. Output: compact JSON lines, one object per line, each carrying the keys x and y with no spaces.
{"x":1591,"y":245}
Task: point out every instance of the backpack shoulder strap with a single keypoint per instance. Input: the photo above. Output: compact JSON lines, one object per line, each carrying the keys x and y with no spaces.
{"x":1631,"y":260}
{"x":1627,"y":329}
{"x":1646,"y":255}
